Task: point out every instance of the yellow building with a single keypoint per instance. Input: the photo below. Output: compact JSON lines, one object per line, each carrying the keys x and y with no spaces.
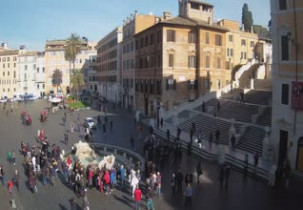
{"x":54,"y":59}
{"x":180,"y":58}
{"x":8,"y":73}
{"x":131,"y":26}
{"x":240,"y":45}
{"x":287,"y":116}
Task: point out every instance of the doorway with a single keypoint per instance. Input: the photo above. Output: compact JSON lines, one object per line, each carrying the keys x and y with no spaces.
{"x":283,"y":146}
{"x":300,"y":155}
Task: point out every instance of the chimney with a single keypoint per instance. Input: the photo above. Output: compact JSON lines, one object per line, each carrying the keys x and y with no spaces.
{"x":4,"y":45}
{"x":166,"y":15}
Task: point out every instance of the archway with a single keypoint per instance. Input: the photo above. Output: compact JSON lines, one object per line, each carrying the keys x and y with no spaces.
{"x":300,"y":154}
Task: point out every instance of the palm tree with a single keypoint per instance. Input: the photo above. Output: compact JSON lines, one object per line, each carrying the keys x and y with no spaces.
{"x":72,"y":48}
{"x":57,"y":78}
{"x":77,"y":80}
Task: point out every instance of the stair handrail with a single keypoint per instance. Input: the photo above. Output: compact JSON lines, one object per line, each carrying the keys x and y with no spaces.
{"x":244,"y":68}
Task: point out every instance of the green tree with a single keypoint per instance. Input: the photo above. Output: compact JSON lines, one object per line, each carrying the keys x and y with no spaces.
{"x":77,"y":80}
{"x":57,"y":78}
{"x":72,"y":48}
{"x":261,"y":31}
{"x":247,"y":18}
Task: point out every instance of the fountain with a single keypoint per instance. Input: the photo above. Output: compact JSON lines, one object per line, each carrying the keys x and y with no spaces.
{"x":86,"y":155}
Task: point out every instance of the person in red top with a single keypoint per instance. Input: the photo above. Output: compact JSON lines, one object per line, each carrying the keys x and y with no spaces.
{"x":138,"y":196}
{"x":10,"y":185}
{"x":106,"y":179}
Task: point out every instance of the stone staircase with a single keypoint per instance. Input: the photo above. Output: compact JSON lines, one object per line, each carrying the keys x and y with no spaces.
{"x":265,"y":118}
{"x":258,"y":97}
{"x":244,"y":80}
{"x":207,"y":125}
{"x":252,"y":140}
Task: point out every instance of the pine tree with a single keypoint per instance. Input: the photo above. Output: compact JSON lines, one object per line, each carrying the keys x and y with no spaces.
{"x":247,"y":18}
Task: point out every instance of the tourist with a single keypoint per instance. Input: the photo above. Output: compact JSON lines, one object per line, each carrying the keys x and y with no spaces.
{"x":233,"y":142}
{"x":9,"y":157}
{"x":188,"y":179}
{"x":16,"y":179}
{"x":178,"y":132}
{"x":173,"y":183}
{"x":217,"y":135}
{"x":158,"y":184}
{"x":2,"y":179}
{"x":161,"y":122}
{"x":227,"y":173}
{"x":111,"y":125}
{"x":113,"y":178}
{"x":10,"y":185}
{"x":221,"y":177}
{"x":218,"y":106}
{"x":203,"y":106}
{"x":106,"y":179}
{"x":138,"y":197}
{"x":199,"y":171}
{"x":122,"y":176}
{"x":149,"y":199}
{"x":245,"y":165}
{"x":188,"y":196}
{"x":167,"y":134}
{"x":256,"y":161}
{"x":179,"y":179}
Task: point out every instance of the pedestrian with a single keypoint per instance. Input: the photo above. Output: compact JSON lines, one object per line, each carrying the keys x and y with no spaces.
{"x":178,"y":132}
{"x":138,"y":197}
{"x":203,"y":106}
{"x":173,"y":183}
{"x":188,"y":196}
{"x":85,"y":201}
{"x":158,"y":184}
{"x":2,"y":179}
{"x":10,"y":157}
{"x":122,"y":176}
{"x":161,"y":122}
{"x":256,"y":161}
{"x":179,"y":178}
{"x":233,"y":142}
{"x":104,"y":128}
{"x":217,"y":135}
{"x":167,"y":134}
{"x":245,"y":165}
{"x":111,"y":125}
{"x":221,"y":177}
{"x":106,"y":179}
{"x":10,"y":185}
{"x":189,"y":148}
{"x":188,"y":179}
{"x":66,"y":137}
{"x":218,"y":106}
{"x":113,"y":178}
{"x":227,"y":173}
{"x":16,"y":179}
{"x":199,"y":171}
{"x":149,"y":199}
{"x":105,"y":120}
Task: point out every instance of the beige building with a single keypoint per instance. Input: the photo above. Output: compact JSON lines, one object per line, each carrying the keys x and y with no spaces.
{"x":240,"y":45}
{"x":287,"y":116}
{"x":180,"y":58}
{"x":131,"y":26}
{"x":8,"y":73}
{"x":109,"y":66}
{"x":54,"y":59}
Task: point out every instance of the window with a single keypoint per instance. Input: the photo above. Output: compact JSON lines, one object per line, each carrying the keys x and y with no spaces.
{"x":34,"y":66}
{"x":8,"y":73}
{"x":171,"y":35}
{"x":14,"y":74}
{"x":151,"y":40}
{"x":8,"y":59}
{"x":159,"y":36}
{"x":283,"y":4}
{"x":207,"y":84}
{"x":159,"y":87}
{"x":243,"y":42}
{"x":191,"y":61}
{"x":171,"y":84}
{"x":218,"y":63}
{"x":151,"y":87}
{"x":4,"y":74}
{"x":43,"y":69}
{"x":230,"y":52}
{"x":194,"y":6}
{"x":192,"y":84}
{"x":207,"y":61}
{"x":170,"y":60}
{"x":4,"y":65}
{"x":252,"y":43}
{"x":218,"y":40}
{"x":43,"y":86}
{"x":207,"y":38}
{"x":25,"y":67}
{"x":218,"y":84}
{"x":230,"y":38}
{"x":191,"y":37}
{"x":243,"y":55}
{"x":285,"y":48}
{"x":14,"y":65}
{"x":38,"y":86}
{"x":8,"y":65}
{"x":285,"y":94}
{"x":38,"y":70}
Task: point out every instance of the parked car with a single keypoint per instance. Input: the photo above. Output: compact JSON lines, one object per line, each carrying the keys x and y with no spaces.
{"x":89,"y":122}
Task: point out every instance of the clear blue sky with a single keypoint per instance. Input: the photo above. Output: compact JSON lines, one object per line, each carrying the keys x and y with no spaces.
{"x":32,"y":22}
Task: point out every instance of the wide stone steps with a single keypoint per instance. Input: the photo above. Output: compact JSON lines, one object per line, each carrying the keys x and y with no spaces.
{"x":209,"y":125}
{"x":265,"y":118}
{"x":252,"y":140}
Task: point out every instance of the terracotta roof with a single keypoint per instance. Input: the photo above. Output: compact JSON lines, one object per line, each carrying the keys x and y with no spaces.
{"x":201,"y":2}
{"x":205,"y":24}
{"x":179,"y":21}
{"x":9,"y":52}
{"x":30,"y":53}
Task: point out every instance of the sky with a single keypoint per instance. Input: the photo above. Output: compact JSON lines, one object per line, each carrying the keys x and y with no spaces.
{"x":32,"y":22}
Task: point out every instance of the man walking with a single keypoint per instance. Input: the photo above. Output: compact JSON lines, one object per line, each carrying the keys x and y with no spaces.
{"x":188,"y":196}
{"x":149,"y":199}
